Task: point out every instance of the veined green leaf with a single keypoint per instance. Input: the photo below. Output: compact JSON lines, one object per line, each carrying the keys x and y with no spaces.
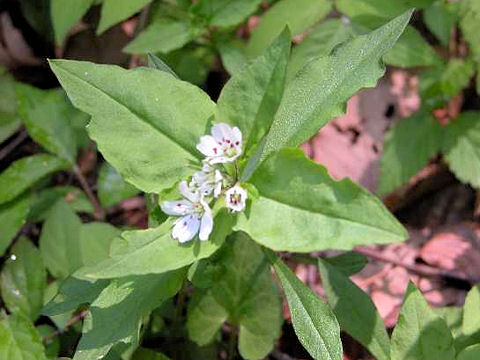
{"x":313,"y":320}
{"x":23,"y":173}
{"x":224,"y":13}
{"x":59,"y":241}
{"x":163,"y":35}
{"x":440,"y":18}
{"x":302,"y":209}
{"x":112,"y":188}
{"x":124,"y":302}
{"x":319,"y":91}
{"x":411,"y":50}
{"x":232,"y":53}
{"x":298,"y":15}
{"x":9,"y":119}
{"x":19,"y":340}
{"x":462,"y":147}
{"x":245,"y":294}
{"x":95,"y":240}
{"x":23,"y":280}
{"x":408,"y":146}
{"x":46,"y":116}
{"x":250,"y":98}
{"x":65,"y":14}
{"x":320,"y":42}
{"x":114,"y":11}
{"x":153,"y":251}
{"x":355,"y":311}
{"x":348,"y":263}
{"x":471,"y":312}
{"x":157,"y":63}
{"x":146,"y":123}
{"x":470,"y":25}
{"x":12,"y":218}
{"x":420,"y":334}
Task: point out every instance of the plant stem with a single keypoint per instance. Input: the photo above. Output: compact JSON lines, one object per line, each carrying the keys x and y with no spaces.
{"x":75,"y":319}
{"x":232,"y":343}
{"x":181,"y":302}
{"x":98,"y":210}
{"x":13,"y":144}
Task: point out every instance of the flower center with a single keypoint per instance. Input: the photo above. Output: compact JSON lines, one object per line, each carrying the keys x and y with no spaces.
{"x":235,"y":198}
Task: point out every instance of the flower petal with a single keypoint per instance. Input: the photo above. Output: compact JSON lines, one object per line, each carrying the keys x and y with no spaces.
{"x":177,"y":208}
{"x":186,"y":228}
{"x":209,"y":147}
{"x":236,"y":198}
{"x":221,"y":132}
{"x":206,"y":225}
{"x":187,"y":193}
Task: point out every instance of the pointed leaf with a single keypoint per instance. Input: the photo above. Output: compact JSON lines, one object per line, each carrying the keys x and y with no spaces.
{"x":146,"y":123}
{"x":301,"y":209}
{"x":355,"y":311}
{"x":298,"y":15}
{"x":250,"y":98}
{"x":243,"y":294}
{"x":12,"y":217}
{"x":440,"y":18}
{"x":320,"y":90}
{"x":23,"y":280}
{"x":420,"y":334}
{"x":112,"y":188}
{"x":157,"y":63}
{"x":23,"y":173}
{"x":65,"y":14}
{"x":114,"y":11}
{"x":224,"y":13}
{"x":313,"y":320}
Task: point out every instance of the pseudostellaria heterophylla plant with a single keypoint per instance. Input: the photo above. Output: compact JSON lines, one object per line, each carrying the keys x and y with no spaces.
{"x":156,"y":131}
{"x":195,"y":216}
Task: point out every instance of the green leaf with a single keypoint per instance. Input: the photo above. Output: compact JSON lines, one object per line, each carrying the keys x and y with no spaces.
{"x":52,"y":346}
{"x":470,"y":353}
{"x":245,"y":294}
{"x":153,"y":251}
{"x":302,"y":209}
{"x":12,"y":218}
{"x":348,"y":263}
{"x":60,"y":320}
{"x":408,"y":146}
{"x":233,"y":55}
{"x":72,"y":293}
{"x":59,"y":241}
{"x":471,"y":312}
{"x":45,"y":114}
{"x":453,"y":316}
{"x":470,"y":26}
{"x":23,"y":280}
{"x":19,"y":340}
{"x":114,"y":11}
{"x":9,"y":120}
{"x":65,"y":14}
{"x":373,"y":13}
{"x":148,"y":354}
{"x":163,"y":35}
{"x":319,"y":91}
{"x":124,"y":302}
{"x":420,"y":334}
{"x":42,"y":202}
{"x":320,"y":42}
{"x":145,"y":122}
{"x":440,"y":18}
{"x":157,"y":63}
{"x":313,"y":320}
{"x":411,"y":50}
{"x":461,"y":147}
{"x":298,"y":15}
{"x":23,"y":173}
{"x":112,"y":188}
{"x":224,"y":13}
{"x":437,"y":86}
{"x":251,"y":97}
{"x":355,"y":311}
{"x":95,"y":240}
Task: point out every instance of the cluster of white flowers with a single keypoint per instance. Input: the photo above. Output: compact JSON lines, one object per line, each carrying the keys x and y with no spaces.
{"x":195,"y":215}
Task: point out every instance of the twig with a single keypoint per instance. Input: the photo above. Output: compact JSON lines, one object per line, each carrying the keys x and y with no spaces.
{"x":13,"y":144}
{"x":278,"y":355}
{"x":419,"y":269}
{"x":75,"y":319}
{"x":98,"y":210}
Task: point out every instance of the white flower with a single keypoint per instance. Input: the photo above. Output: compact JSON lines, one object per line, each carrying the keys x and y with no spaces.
{"x":208,"y":180}
{"x":195,"y":215}
{"x":224,"y":145}
{"x":235,"y":198}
